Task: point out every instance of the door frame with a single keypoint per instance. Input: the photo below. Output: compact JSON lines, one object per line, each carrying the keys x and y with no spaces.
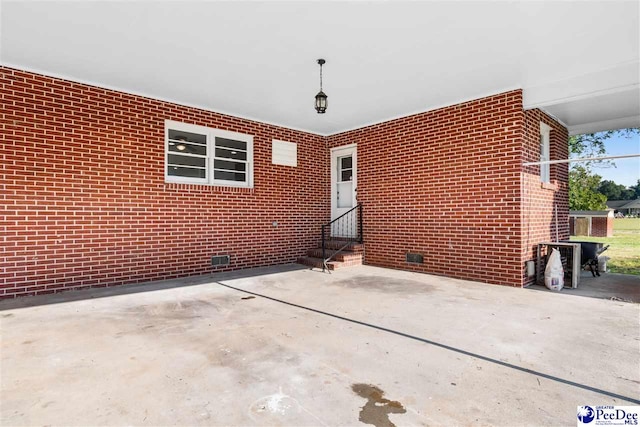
{"x":341,"y":151}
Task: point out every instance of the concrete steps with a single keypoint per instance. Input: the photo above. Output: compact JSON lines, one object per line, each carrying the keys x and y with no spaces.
{"x":349,"y":256}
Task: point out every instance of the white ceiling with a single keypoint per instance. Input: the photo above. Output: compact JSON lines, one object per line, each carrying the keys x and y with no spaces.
{"x":384,"y":59}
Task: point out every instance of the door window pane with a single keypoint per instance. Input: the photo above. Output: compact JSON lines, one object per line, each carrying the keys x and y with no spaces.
{"x":345,"y":171}
{"x":346,"y":162}
{"x":345,"y":194}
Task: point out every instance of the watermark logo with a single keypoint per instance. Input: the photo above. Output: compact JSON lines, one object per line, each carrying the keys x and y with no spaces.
{"x":586,"y":414}
{"x":608,"y":416}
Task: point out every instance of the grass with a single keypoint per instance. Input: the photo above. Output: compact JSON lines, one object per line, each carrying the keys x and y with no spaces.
{"x":625,"y":246}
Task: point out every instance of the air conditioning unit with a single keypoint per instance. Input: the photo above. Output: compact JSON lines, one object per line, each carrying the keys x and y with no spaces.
{"x":570,"y":253}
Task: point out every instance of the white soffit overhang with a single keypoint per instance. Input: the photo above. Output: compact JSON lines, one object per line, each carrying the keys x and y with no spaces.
{"x":603,"y":100}
{"x":578,"y":60}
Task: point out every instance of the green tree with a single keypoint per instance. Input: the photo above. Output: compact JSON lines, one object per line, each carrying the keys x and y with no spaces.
{"x":584,"y":185}
{"x":583,"y":190}
{"x":629,"y":194}
{"x":634,"y":191}
{"x":592,"y":145}
{"x":612,"y":191}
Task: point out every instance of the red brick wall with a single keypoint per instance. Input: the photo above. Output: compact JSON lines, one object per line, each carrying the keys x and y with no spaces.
{"x":445,"y":184}
{"x":601,"y":227}
{"x":541,"y":202}
{"x":84,"y":202}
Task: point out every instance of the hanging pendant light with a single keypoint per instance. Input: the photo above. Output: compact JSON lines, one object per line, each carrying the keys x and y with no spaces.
{"x":321,"y":97}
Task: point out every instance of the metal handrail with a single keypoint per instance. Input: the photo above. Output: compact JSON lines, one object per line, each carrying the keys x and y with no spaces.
{"x":358,"y":238}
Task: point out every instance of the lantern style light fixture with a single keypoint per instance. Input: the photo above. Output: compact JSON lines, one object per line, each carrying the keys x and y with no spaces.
{"x":321,"y":97}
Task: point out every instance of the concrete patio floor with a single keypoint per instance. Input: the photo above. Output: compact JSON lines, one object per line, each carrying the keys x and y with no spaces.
{"x":291,"y":346}
{"x":617,"y":287}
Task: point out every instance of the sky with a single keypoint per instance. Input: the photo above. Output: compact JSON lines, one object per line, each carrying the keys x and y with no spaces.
{"x":627,"y":171}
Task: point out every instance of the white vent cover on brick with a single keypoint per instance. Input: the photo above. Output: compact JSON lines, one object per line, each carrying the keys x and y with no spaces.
{"x":284,"y":153}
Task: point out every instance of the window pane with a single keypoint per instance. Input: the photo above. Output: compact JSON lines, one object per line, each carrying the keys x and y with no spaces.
{"x":231,"y":154}
{"x":230,"y":176}
{"x":346,"y":162}
{"x":544,"y":149}
{"x":231,"y":143}
{"x":198,"y":155}
{"x":188,"y":148}
{"x":175,"y":159}
{"x":346,"y":175}
{"x":178,"y":135}
{"x":187,"y":172}
{"x":234,"y":166}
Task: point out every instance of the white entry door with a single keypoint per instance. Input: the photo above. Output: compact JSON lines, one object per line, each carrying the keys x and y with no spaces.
{"x":343,"y":189}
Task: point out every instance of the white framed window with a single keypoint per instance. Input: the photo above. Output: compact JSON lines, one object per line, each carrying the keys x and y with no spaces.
{"x":545,"y":153}
{"x":200,"y":155}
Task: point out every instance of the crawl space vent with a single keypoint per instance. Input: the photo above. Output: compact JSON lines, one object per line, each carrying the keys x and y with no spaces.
{"x":415,"y":258}
{"x":219,"y":260}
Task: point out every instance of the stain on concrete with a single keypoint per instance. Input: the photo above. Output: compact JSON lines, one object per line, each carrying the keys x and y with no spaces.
{"x":47,"y":404}
{"x":377,"y":409}
{"x":246,"y":353}
{"x":178,"y":310}
{"x":384,"y":284}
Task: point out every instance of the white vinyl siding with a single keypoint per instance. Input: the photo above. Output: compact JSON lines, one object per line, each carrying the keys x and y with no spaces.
{"x":201,"y":155}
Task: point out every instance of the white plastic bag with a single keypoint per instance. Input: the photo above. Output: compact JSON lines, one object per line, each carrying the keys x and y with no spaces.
{"x":602,"y":263}
{"x":553,"y":273}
